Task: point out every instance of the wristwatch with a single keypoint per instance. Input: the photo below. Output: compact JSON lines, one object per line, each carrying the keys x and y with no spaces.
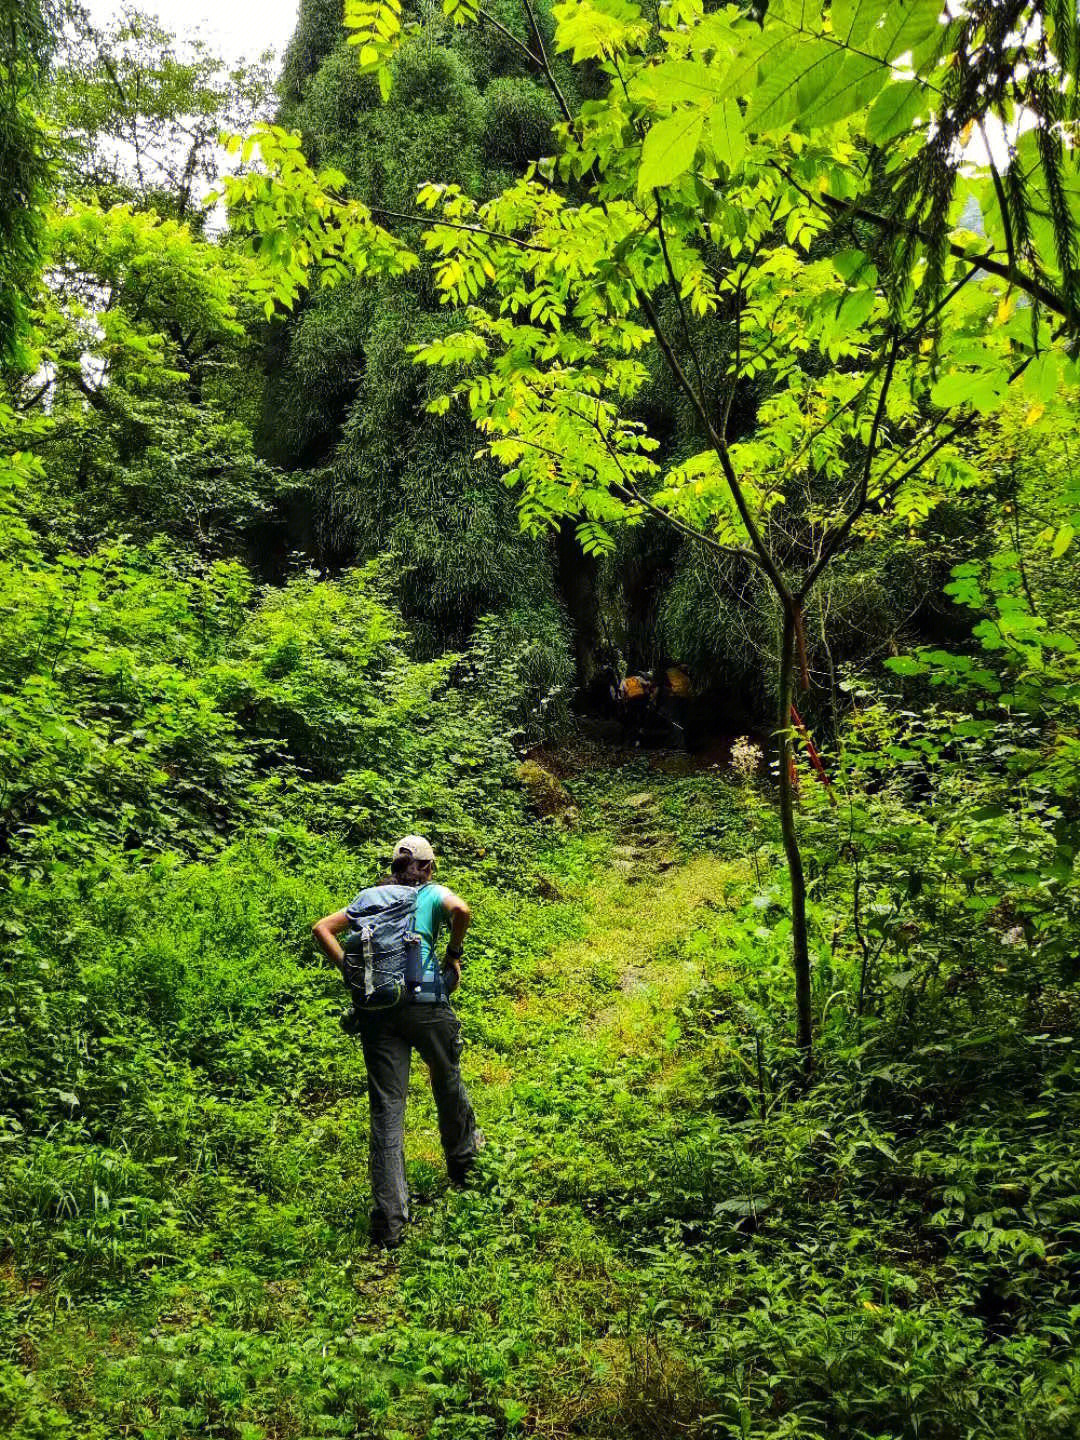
{"x":454,"y":952}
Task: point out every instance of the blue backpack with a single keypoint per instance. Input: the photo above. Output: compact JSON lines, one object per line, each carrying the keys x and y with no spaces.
{"x":384,"y":955}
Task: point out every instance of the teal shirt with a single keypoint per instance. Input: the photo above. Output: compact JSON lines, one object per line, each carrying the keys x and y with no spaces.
{"x":432,"y":917}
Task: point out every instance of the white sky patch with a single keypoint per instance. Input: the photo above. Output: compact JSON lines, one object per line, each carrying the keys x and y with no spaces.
{"x":235,"y":30}
{"x":238,"y":29}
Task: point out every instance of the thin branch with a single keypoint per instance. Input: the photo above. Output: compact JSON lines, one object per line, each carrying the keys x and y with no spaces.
{"x":736,"y":552}
{"x":1003,"y":207}
{"x":631,"y":493}
{"x":766,"y":561}
{"x":549,"y":74}
{"x":675,"y":290}
{"x":876,"y":369}
{"x":730,"y":397}
{"x":1029,"y":284}
{"x":32,"y":400}
{"x":433,"y":220}
{"x":962,"y":425}
{"x":835,"y":538}
{"x":95,"y":397}
{"x":509,"y":35}
{"x":691,"y":531}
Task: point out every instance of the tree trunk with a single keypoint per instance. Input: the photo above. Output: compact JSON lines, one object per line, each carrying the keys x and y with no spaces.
{"x":800,"y":940}
{"x":577,"y":585}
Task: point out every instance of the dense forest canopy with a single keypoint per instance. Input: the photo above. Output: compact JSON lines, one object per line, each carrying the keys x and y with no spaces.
{"x":347,"y":465}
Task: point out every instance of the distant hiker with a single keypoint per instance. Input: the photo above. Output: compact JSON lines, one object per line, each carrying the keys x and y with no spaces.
{"x":677,"y":682}
{"x":400,"y":1004}
{"x":633,"y":699}
{"x":674,"y":694}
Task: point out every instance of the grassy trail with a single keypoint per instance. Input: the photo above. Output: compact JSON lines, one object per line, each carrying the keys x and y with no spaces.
{"x":666,"y":1238}
{"x":518,"y":1306}
{"x":585,"y":1069}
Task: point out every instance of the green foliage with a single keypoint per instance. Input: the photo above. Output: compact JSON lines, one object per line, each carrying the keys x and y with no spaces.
{"x":317,"y":33}
{"x":757,"y":144}
{"x":110,"y":737}
{"x":25,"y":39}
{"x":139,"y":394}
{"x":338,"y":403}
{"x":671,"y":1233}
{"x":554,"y":399}
{"x":520,"y":660}
{"x":519,"y":118}
{"x":375,"y":28}
{"x":141,"y":404}
{"x":669,"y":1236}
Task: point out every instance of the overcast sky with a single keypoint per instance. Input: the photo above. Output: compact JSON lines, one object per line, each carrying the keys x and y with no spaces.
{"x":240,"y":28}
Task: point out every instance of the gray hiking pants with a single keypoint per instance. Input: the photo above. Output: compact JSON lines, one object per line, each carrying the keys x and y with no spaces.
{"x":389,"y":1038}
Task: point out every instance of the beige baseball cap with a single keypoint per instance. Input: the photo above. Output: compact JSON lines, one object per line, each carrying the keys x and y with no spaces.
{"x":414,"y":847}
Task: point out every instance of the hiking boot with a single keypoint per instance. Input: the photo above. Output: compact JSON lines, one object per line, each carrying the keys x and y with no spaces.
{"x":385,"y":1243}
{"x":459,"y":1173}
{"x":379,"y":1236}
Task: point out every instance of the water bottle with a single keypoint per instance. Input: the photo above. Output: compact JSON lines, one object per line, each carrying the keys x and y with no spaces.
{"x":414,"y":964}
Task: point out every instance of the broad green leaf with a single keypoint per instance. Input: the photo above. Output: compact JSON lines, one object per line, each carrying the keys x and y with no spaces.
{"x":853,"y":266}
{"x":908,"y":25}
{"x":905,"y":665}
{"x":853,"y":20}
{"x":984,"y":390}
{"x":759,"y":53}
{"x":775,"y":100}
{"x":813,"y":85}
{"x":676,"y":82}
{"x":803,"y":14}
{"x":717,"y":35}
{"x":826,"y":96}
{"x":1043,"y":375}
{"x":894,"y":111}
{"x":669,"y":149}
{"x":854,"y":310}
{"x":725,"y":133}
{"x":1062,"y":540}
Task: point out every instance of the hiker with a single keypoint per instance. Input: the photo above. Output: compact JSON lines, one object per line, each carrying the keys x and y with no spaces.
{"x":400,"y":1004}
{"x":633,"y":699}
{"x":674,"y":692}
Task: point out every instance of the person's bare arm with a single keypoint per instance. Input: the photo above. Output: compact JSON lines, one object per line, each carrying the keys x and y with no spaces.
{"x":460,"y":917}
{"x":326,"y":932}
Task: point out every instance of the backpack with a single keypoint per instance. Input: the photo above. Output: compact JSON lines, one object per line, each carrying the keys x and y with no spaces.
{"x":383,"y":954}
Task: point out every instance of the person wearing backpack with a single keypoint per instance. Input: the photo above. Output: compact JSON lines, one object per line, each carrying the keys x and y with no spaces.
{"x":400,"y":997}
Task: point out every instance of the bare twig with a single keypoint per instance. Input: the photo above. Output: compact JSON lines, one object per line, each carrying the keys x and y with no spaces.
{"x":432,"y":220}
{"x":1031,"y":285}
{"x":836,"y":537}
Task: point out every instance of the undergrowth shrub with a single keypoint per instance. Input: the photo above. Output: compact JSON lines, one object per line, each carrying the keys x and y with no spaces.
{"x":160,"y":1013}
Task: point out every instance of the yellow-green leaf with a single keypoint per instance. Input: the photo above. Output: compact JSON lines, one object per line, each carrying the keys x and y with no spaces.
{"x":894,"y":110}
{"x":669,"y":149}
{"x":725,"y":133}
